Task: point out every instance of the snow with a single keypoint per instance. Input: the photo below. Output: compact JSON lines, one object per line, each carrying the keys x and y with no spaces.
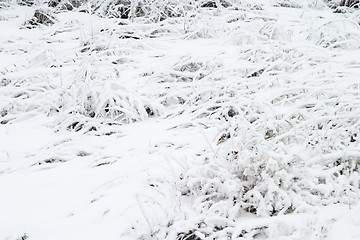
{"x":230,"y":123}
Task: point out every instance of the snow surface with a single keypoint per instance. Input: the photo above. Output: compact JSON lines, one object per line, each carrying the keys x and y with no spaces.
{"x":229,"y":123}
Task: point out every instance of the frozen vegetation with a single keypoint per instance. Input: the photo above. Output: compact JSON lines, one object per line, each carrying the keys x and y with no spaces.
{"x":179,"y":119}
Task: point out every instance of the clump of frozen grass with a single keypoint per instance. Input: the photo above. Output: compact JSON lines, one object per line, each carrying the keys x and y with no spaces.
{"x":147,"y":9}
{"x":341,"y":33}
{"x":111,"y":100}
{"x":156,"y":11}
{"x":107,"y":101}
{"x":41,"y":17}
{"x":65,"y":5}
{"x":343,"y":3}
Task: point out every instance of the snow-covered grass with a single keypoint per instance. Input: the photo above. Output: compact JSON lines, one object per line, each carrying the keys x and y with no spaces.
{"x":179,"y":120}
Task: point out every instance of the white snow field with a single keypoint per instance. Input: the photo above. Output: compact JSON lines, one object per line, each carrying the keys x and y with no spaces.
{"x":179,"y":120}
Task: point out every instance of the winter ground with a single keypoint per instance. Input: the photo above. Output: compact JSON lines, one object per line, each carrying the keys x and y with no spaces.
{"x":224,"y":124}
